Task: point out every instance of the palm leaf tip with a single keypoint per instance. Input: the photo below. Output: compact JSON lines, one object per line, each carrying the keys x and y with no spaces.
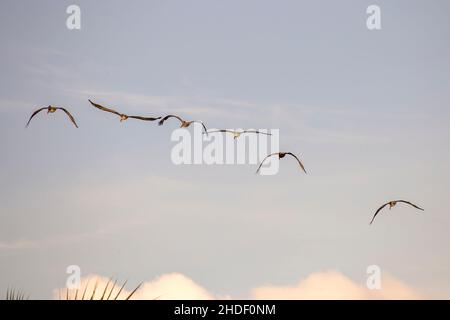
{"x":133,"y":292}
{"x":13,"y":294}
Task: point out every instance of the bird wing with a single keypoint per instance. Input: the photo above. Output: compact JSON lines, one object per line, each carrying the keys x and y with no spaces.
{"x":203,"y":125}
{"x":144,"y":118}
{"x":35,"y":113}
{"x":411,"y":204}
{"x":379,"y":209}
{"x":298,"y":160}
{"x":272,"y":154}
{"x":161,"y":122}
{"x":221,"y":130}
{"x":256,"y":131}
{"x":69,"y":115}
{"x":104,"y":108}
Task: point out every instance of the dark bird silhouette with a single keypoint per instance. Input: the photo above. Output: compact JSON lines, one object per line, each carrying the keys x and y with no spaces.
{"x":392,"y":204}
{"x":184,"y":124}
{"x":51,"y":109}
{"x":237,"y":134}
{"x":122,"y":116}
{"x":281,"y":155}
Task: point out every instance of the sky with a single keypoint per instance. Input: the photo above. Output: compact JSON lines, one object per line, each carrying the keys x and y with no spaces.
{"x":367,"y":111}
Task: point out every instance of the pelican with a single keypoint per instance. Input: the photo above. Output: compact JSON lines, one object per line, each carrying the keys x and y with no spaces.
{"x":122,"y":116}
{"x":184,"y":124}
{"x":51,"y":109}
{"x":391,"y":205}
{"x":237,"y":134}
{"x":281,"y":155}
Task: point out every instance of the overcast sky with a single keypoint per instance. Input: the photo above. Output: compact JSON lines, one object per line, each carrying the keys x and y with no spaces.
{"x":367,"y":111}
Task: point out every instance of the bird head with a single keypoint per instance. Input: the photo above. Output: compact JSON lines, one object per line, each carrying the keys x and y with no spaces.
{"x":123,"y":117}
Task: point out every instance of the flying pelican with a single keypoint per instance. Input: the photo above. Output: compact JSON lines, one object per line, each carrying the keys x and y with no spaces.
{"x":280,"y":156}
{"x":122,"y":116}
{"x":392,"y":204}
{"x":237,"y":134}
{"x":51,"y":109}
{"x":184,"y":124}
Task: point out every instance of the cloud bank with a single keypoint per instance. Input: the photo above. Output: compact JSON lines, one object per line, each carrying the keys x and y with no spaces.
{"x":318,"y":285}
{"x":335,"y":285}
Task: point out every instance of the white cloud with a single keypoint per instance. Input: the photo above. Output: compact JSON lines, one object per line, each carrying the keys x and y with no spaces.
{"x":173,"y":286}
{"x":319,"y":285}
{"x":335,"y":285}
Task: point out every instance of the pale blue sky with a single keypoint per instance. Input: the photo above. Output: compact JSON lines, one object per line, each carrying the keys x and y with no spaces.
{"x":368,"y":111}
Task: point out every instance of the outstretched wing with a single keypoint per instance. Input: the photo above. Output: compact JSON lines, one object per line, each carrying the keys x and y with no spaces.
{"x":203,"y":125}
{"x":257,"y":132}
{"x":161,"y":122}
{"x":104,"y":108}
{"x":221,"y":130}
{"x":298,"y":160}
{"x":411,"y":204}
{"x":144,"y":118}
{"x":265,"y":160}
{"x":69,"y":115}
{"x":35,"y":113}
{"x":379,"y":209}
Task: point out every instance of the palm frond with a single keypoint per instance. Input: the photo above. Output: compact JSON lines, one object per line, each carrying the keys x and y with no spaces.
{"x":111,"y":291}
{"x":13,"y":294}
{"x":133,"y":292}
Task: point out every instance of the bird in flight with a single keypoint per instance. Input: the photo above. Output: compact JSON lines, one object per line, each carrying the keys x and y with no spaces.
{"x":280,"y":156}
{"x":237,"y":134}
{"x":123,"y":116}
{"x":184,"y":124}
{"x":51,"y":109}
{"x":392,"y":204}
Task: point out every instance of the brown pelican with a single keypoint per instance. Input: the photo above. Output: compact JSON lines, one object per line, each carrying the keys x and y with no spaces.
{"x":280,"y":156}
{"x":122,"y":116}
{"x":51,"y":109}
{"x":237,"y":134}
{"x":184,"y":124}
{"x":392,"y":204}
